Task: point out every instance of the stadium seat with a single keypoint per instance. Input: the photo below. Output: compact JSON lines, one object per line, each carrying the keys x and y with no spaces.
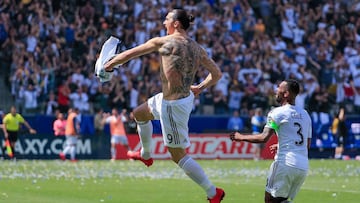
{"x":327,"y":139}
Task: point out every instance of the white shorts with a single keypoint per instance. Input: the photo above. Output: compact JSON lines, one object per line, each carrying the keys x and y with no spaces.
{"x":174,"y":119}
{"x":119,"y":139}
{"x":71,"y":140}
{"x":284,"y":181}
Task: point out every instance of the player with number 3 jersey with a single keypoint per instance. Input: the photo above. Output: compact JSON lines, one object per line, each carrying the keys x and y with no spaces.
{"x":292,"y":125}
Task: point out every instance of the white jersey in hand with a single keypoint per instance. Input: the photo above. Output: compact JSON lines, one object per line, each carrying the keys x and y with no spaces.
{"x":293,"y":128}
{"x":109,"y":49}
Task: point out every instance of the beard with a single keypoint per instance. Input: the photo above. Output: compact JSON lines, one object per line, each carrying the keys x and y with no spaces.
{"x":278,"y":99}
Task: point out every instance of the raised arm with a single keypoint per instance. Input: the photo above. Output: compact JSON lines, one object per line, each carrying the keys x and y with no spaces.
{"x":148,"y":47}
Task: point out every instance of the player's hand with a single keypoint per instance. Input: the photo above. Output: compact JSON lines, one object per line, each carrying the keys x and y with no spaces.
{"x":195,"y":89}
{"x":235,"y":136}
{"x":273,"y":148}
{"x":32,"y":131}
{"x":108,"y":65}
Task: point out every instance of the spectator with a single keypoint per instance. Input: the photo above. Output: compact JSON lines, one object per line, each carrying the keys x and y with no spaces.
{"x":87,"y":12}
{"x":247,"y":74}
{"x":356,"y":90}
{"x":30,"y":96}
{"x":98,"y":124}
{"x":91,"y":83}
{"x":220,"y":103}
{"x":302,"y":98}
{"x":235,"y":122}
{"x":340,"y":75}
{"x":300,"y":55}
{"x":319,"y":108}
{"x":207,"y":101}
{"x":224,"y":82}
{"x":80,"y":100}
{"x":59,"y":125}
{"x":235,"y":98}
{"x":63,"y":96}
{"x":101,"y":98}
{"x":134,"y":96}
{"x":258,"y":121}
{"x":77,"y":77}
{"x":51,"y":105}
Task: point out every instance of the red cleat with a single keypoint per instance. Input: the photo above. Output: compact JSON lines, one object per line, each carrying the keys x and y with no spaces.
{"x":220,"y":194}
{"x":137,"y":156}
{"x":62,"y":156}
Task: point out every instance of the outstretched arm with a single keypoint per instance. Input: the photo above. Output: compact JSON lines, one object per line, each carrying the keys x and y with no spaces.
{"x":148,"y":47}
{"x":253,"y":138}
{"x":32,"y":131}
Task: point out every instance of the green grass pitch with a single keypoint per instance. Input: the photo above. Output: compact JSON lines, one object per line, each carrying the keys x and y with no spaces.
{"x":53,"y":181}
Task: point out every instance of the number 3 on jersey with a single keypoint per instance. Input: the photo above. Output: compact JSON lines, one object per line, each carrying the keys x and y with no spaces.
{"x":299,"y":132}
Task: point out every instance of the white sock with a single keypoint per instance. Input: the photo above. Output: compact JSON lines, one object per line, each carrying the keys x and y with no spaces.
{"x":113,"y":152}
{"x":145,"y":130}
{"x":66,"y":150}
{"x":72,"y":152}
{"x":197,"y":174}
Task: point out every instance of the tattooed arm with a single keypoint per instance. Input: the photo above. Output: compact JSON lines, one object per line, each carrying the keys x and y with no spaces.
{"x":148,"y":47}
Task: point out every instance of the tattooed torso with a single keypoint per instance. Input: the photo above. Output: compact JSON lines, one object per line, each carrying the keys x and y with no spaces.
{"x":180,"y":59}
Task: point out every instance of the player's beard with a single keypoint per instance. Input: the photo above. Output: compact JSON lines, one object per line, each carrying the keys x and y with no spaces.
{"x":278,"y":99}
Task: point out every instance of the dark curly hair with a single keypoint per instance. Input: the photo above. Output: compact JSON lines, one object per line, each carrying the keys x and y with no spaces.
{"x":293,"y":86}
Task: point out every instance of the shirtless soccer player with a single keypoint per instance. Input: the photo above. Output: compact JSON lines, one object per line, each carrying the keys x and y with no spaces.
{"x":181,"y":57}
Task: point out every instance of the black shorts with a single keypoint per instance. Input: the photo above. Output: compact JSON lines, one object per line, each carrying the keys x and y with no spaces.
{"x":339,"y":141}
{"x":12,"y":135}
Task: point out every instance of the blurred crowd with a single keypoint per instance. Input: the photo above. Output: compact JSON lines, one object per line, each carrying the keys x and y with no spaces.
{"x":49,"y":48}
